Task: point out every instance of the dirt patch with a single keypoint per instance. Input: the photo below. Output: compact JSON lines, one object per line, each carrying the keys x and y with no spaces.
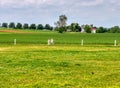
{"x":15,"y":31}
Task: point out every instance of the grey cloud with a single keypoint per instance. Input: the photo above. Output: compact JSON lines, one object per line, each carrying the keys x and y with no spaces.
{"x":47,"y":11}
{"x":91,"y":2}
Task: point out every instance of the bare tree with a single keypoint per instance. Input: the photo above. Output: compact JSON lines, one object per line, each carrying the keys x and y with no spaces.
{"x":62,"y":21}
{"x":61,"y":24}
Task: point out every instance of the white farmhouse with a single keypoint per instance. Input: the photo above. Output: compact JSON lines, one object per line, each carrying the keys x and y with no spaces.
{"x":93,"y":30}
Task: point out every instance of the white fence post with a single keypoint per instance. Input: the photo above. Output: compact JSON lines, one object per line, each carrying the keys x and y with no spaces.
{"x":115,"y":43}
{"x":14,"y":41}
{"x":49,"y":42}
{"x":82,"y":42}
{"x":52,"y":41}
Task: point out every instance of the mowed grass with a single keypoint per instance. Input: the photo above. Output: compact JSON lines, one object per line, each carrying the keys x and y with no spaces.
{"x":66,"y":64}
{"x":41,"y":37}
{"x":59,"y":66}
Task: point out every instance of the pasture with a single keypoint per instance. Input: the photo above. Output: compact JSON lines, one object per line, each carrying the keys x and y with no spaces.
{"x":31,"y":63}
{"x":41,"y":37}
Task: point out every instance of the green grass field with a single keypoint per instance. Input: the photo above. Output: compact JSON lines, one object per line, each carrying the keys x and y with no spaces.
{"x":41,"y":37}
{"x":33,"y":64}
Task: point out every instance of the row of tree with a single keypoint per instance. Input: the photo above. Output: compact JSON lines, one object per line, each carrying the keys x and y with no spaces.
{"x":75,"y":27}
{"x":61,"y":26}
{"x":26,"y":26}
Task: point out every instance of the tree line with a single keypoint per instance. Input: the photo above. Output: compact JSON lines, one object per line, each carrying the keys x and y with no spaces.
{"x":26,"y":26}
{"x":61,"y":26}
{"x":75,"y":27}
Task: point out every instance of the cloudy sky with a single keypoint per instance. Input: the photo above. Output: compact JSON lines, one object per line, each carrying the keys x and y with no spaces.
{"x":98,"y":12}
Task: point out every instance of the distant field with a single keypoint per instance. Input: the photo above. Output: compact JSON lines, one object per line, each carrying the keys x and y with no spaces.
{"x":41,"y":37}
{"x":66,"y":64}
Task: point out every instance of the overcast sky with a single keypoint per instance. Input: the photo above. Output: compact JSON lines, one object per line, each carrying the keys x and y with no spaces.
{"x":98,"y":12}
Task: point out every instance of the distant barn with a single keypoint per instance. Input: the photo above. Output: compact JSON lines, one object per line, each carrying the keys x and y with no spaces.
{"x":93,"y":30}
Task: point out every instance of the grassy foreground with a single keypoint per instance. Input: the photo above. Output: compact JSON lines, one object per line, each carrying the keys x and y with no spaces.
{"x":59,"y":66}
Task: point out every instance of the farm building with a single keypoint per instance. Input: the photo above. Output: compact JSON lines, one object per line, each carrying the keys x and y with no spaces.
{"x":93,"y":30}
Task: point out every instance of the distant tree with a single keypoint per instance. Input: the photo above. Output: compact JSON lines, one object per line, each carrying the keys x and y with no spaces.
{"x":48,"y":27}
{"x":51,"y":28}
{"x":62,"y":20}
{"x":19,"y":26}
{"x":57,"y":24}
{"x":25,"y":26}
{"x":72,"y":26}
{"x":68,"y":28}
{"x":115,"y":29}
{"x":61,"y":29}
{"x":4,"y":25}
{"x":12,"y":25}
{"x":33,"y":26}
{"x":101,"y":30}
{"x":61,"y":23}
{"x":87,"y":28}
{"x":40,"y":27}
{"x":75,"y":27}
